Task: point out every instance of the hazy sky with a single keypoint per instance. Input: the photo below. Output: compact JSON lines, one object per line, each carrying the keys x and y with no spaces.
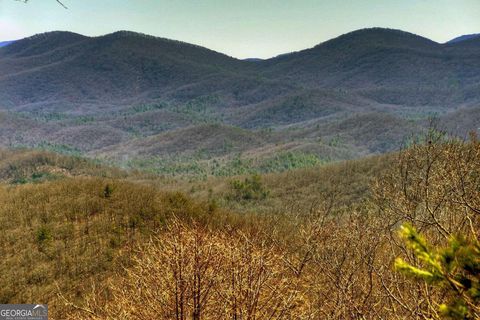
{"x":242,"y":28}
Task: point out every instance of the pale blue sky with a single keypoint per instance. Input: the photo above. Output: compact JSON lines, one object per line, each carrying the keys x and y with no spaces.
{"x":243,"y":28}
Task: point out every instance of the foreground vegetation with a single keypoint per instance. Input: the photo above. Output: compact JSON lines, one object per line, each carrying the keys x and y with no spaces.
{"x":131,"y":248}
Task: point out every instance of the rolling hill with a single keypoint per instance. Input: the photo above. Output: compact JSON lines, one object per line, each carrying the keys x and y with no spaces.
{"x":136,"y":95}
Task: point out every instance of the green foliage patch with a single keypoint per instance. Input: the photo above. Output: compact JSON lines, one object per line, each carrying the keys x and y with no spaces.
{"x":251,"y":188}
{"x":201,"y":164}
{"x":455,"y":267}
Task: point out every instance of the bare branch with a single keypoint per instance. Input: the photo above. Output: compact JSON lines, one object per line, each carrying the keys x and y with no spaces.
{"x":58,"y":1}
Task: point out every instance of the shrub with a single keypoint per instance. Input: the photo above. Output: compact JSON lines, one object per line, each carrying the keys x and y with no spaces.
{"x":249,"y":189}
{"x":43,"y":235}
{"x":107,"y":191}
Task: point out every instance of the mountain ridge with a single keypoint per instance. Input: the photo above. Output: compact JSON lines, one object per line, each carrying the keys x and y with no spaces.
{"x":464,"y":37}
{"x":126,"y":85}
{"x":126,"y":33}
{"x":327,"y":64}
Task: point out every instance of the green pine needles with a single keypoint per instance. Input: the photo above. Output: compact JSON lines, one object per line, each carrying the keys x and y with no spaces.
{"x":455,"y":268}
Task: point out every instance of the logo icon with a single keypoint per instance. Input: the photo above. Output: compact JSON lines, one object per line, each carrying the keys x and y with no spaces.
{"x":23,"y":312}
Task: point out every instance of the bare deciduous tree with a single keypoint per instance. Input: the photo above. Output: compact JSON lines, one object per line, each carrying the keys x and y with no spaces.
{"x":324,"y":264}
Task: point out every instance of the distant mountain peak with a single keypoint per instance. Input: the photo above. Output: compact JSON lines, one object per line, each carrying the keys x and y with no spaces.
{"x":379,"y":35}
{"x":44,"y":42}
{"x":57,"y":35}
{"x":464,"y":37}
{"x":127,"y":34}
{"x":5,"y":43}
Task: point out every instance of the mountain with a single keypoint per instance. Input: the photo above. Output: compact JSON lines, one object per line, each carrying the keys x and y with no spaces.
{"x":464,"y":38}
{"x":135,"y":95}
{"x":128,"y":68}
{"x":5,"y":43}
{"x":388,"y":66}
{"x":59,"y":66}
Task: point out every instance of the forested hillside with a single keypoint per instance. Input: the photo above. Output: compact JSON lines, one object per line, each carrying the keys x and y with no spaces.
{"x":308,"y":243}
{"x":123,"y":95}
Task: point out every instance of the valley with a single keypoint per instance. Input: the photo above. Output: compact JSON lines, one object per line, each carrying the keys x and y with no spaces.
{"x":129,"y":99}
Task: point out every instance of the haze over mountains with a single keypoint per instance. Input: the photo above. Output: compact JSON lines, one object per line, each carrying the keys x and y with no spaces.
{"x":127,"y":96}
